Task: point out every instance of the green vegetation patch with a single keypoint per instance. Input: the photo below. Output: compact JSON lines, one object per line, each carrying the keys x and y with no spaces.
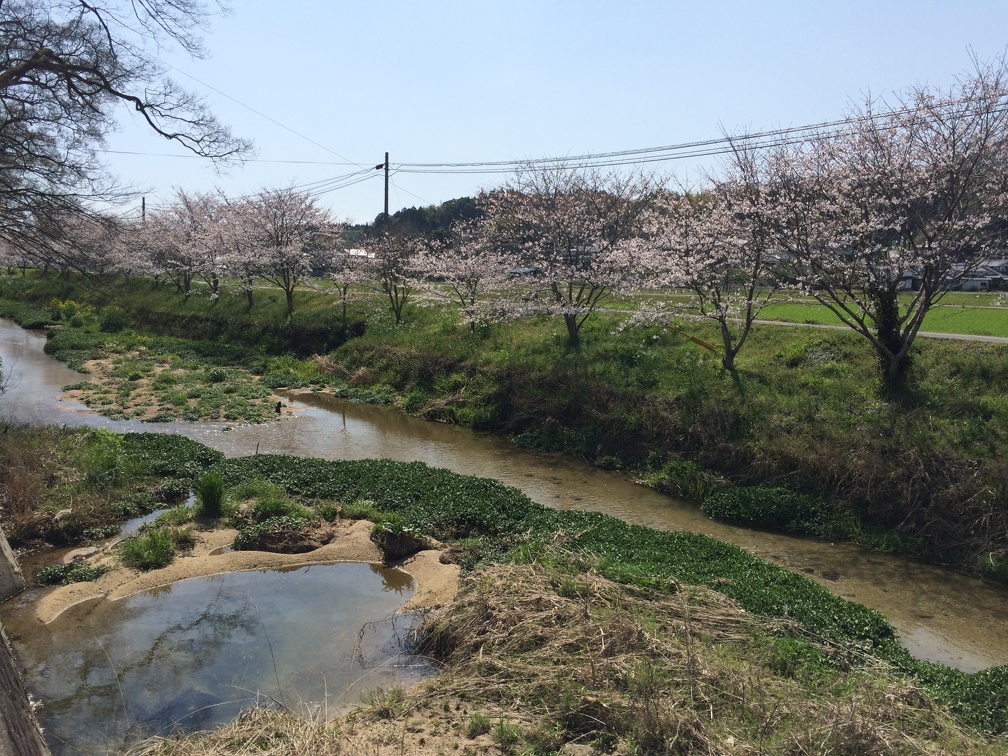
{"x":150,"y":550}
{"x":497,"y":521}
{"x":778,"y":508}
{"x":72,"y":572}
{"x":161,"y":379}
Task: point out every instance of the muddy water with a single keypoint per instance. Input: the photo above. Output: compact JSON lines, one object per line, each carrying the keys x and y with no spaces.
{"x":940,"y":615}
{"x":192,"y":655}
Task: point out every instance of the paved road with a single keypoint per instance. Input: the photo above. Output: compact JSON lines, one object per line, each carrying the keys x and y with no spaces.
{"x":925,"y":334}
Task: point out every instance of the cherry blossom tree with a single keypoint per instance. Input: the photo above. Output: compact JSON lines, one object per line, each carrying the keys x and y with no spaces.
{"x":470,"y":267}
{"x":713,"y":243}
{"x":879,"y":221}
{"x":171,"y":246}
{"x":240,"y":245}
{"x":86,"y":242}
{"x":8,"y":256}
{"x":293,"y":234}
{"x":347,"y":267}
{"x":396,"y":266}
{"x":569,"y":225}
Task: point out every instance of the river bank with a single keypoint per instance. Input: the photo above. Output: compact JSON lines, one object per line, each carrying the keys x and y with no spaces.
{"x":920,"y":474}
{"x":633,"y":555}
{"x":436,"y":582}
{"x":940,"y":615}
{"x":484,"y":522}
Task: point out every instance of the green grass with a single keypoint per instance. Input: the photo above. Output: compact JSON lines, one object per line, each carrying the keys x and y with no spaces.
{"x":498,"y":522}
{"x":489,"y":521}
{"x":958,"y":313}
{"x":211,"y":495}
{"x":148,"y":551}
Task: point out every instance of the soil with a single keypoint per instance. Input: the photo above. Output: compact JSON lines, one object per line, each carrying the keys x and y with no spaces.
{"x":349,"y":541}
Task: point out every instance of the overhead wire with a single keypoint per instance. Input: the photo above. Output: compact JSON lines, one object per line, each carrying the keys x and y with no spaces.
{"x":639,"y":156}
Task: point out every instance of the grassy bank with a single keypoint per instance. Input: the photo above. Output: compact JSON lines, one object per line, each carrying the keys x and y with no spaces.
{"x":925,"y":475}
{"x":696,"y":638}
{"x":803,"y":420}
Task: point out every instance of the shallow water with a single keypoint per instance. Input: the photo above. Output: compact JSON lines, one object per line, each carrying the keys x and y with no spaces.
{"x":191,"y":655}
{"x":940,"y":615}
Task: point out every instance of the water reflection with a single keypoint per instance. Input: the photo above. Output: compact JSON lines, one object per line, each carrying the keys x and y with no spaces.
{"x":192,"y":655}
{"x":396,"y":581}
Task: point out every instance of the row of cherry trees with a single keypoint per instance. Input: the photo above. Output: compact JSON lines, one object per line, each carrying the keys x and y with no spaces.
{"x":912,"y":192}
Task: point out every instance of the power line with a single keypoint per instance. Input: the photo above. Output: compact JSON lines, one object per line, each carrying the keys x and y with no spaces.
{"x":199,"y":157}
{"x":262,"y":115}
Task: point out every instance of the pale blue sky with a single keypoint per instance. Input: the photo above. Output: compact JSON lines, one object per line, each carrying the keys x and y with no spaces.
{"x":487,"y":81}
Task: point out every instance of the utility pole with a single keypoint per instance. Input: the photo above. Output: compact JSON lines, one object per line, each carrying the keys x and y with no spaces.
{"x":143,"y":209}
{"x":378,"y":167}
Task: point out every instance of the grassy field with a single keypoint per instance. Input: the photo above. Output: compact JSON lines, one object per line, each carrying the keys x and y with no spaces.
{"x":959,"y":313}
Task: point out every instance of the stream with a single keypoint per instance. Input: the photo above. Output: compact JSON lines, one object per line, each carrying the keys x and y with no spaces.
{"x":940,"y":615}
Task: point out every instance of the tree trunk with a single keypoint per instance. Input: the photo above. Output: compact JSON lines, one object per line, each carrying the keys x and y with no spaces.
{"x":893,"y":360}
{"x":290,"y":300}
{"x":728,"y":358}
{"x":573,"y":330}
{"x":249,"y":297}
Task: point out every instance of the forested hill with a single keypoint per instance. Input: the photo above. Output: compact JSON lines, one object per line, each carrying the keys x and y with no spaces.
{"x":432,"y":221}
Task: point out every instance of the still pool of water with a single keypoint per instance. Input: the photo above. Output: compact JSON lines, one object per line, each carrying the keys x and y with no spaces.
{"x":191,"y":655}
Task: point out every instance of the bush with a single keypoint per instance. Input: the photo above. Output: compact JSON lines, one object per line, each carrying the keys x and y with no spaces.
{"x":210,"y":495}
{"x":112,"y":319}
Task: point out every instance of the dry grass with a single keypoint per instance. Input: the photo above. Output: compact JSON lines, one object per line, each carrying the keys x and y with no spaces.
{"x":33,"y":469}
{"x":537,"y":659}
{"x":259,"y":731}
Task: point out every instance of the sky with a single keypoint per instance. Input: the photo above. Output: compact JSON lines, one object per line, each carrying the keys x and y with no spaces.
{"x":324,"y":89}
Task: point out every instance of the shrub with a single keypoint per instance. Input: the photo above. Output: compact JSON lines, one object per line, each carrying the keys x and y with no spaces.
{"x":112,"y":319}
{"x":210,"y":495}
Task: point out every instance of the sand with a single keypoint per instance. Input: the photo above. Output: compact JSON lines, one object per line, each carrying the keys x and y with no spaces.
{"x":435,"y":583}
